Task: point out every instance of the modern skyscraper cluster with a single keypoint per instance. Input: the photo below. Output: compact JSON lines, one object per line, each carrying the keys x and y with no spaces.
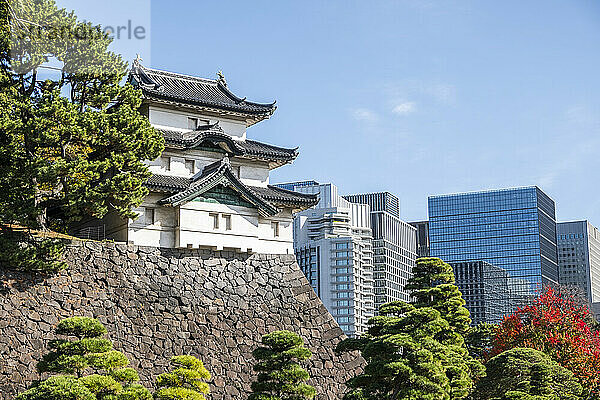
{"x":333,"y":246}
{"x":514,"y":229}
{"x":355,"y":250}
{"x":504,"y":246}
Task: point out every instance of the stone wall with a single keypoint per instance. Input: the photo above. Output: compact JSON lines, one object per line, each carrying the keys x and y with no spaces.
{"x":157,"y":303}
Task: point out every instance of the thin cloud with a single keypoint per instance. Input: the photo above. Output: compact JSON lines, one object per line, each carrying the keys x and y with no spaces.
{"x":424,"y":92}
{"x":405,"y":108}
{"x":364,"y":114}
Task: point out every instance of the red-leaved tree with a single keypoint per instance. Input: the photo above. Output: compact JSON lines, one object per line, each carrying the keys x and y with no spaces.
{"x":559,"y":326}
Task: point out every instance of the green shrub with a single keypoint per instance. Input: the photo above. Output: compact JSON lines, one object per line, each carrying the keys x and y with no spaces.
{"x":280,"y":377}
{"x":88,"y":352}
{"x":185,"y":382}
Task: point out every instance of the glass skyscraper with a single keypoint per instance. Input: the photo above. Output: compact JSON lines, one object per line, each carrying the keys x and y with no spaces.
{"x":514,"y":229}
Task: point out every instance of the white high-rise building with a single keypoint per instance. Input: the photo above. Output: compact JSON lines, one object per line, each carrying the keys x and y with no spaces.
{"x":333,"y":247}
{"x":578,"y":244}
{"x":394,"y":246}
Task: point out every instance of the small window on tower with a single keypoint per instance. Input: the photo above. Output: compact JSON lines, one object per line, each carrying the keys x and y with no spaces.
{"x":227,"y":219}
{"x":166,"y":162}
{"x":192,"y":123}
{"x":190,"y":165}
{"x":149,"y":216}
{"x":275,"y":228}
{"x":215,"y":219}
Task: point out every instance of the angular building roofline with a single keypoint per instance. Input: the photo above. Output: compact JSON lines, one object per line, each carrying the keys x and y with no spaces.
{"x":486,"y":191}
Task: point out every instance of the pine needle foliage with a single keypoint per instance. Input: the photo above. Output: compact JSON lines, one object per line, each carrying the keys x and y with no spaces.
{"x":185,"y":382}
{"x":89,"y":367}
{"x":72,"y":143}
{"x":280,"y":376}
{"x":416,"y":350}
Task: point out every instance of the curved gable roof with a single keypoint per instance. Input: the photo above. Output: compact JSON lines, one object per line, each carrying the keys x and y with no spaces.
{"x":219,"y":173}
{"x":181,"y":89}
{"x":242,"y":148}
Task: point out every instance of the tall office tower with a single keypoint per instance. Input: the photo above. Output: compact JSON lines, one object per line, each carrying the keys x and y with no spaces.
{"x":485,"y":289}
{"x":333,"y":247}
{"x":514,"y":229}
{"x":394,"y":246}
{"x":422,"y":238}
{"x":579,"y":257}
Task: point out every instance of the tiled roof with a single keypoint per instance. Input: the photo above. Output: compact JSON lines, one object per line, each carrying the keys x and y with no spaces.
{"x":282,"y":196}
{"x":166,"y":183}
{"x":219,"y":173}
{"x":259,"y":149}
{"x":267,"y":199}
{"x":214,"y":134}
{"x":195,"y":91}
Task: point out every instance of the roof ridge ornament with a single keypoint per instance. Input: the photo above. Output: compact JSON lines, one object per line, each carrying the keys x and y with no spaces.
{"x":138,"y":59}
{"x":221,"y":78}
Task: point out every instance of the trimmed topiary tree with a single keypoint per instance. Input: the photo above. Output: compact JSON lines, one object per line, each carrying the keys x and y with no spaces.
{"x":404,"y":361}
{"x":280,"y":376}
{"x":433,"y":285}
{"x":84,"y":349}
{"x":185,"y":382}
{"x":526,"y":374}
{"x":416,"y":350}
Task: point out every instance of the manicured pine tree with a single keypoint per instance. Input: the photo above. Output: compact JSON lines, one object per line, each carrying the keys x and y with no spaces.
{"x":185,"y":382}
{"x":280,"y":376}
{"x":404,"y":360}
{"x":395,"y":341}
{"x":526,"y":374}
{"x":85,"y":350}
{"x":433,"y":285}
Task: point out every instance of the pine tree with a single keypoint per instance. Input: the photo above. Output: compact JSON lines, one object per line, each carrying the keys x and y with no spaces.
{"x":403,"y":357}
{"x":526,"y":374}
{"x":395,"y":341}
{"x":185,"y":382}
{"x":280,"y":376}
{"x":72,"y":143}
{"x":84,"y":349}
{"x":433,"y":285}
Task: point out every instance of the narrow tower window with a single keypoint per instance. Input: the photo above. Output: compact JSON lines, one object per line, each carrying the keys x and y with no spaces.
{"x":192,"y":123}
{"x":190,"y":165}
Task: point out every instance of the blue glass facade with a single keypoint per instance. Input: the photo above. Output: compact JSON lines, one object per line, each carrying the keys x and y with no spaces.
{"x":514,"y":229}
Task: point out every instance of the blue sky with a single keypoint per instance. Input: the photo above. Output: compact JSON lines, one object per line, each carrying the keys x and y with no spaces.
{"x":413,"y":97}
